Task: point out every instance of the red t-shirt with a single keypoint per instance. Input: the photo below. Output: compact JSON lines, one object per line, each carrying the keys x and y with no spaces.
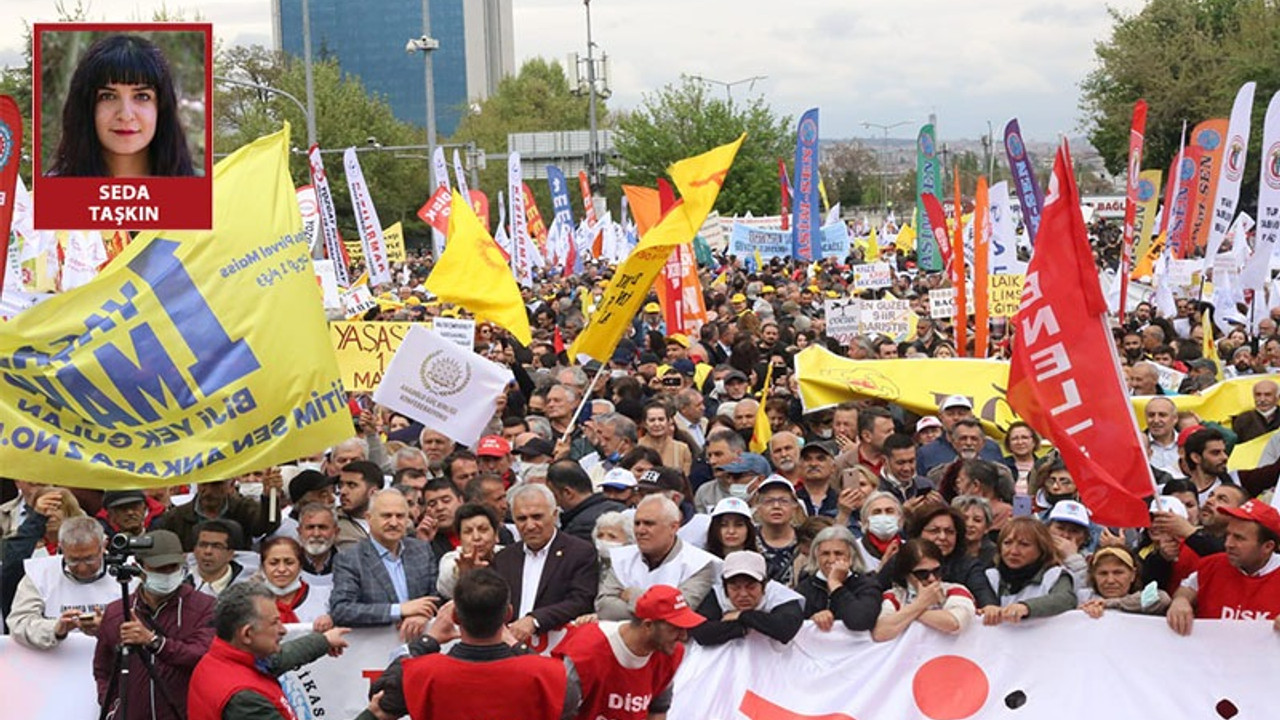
{"x":611,"y":691}
{"x":1226,"y":593}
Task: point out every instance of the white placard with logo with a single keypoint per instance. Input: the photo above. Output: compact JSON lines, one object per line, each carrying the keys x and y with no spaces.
{"x":844,"y":315}
{"x":461,"y":331}
{"x":444,"y":387}
{"x":872,"y":275}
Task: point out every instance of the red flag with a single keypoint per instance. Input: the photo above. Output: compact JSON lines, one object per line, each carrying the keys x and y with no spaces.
{"x":1063,"y":353}
{"x":938,"y":224}
{"x":435,"y":211}
{"x":557,"y":341}
{"x":480,"y":203}
{"x":1136,"y":130}
{"x":10,"y":156}
{"x":981,"y":267}
{"x":785,"y":184}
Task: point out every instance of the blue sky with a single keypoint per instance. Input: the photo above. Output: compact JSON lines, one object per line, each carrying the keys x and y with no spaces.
{"x":876,"y":61}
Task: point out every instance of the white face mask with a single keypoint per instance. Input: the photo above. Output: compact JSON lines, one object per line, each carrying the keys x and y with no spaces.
{"x":163,"y":583}
{"x":604,"y":546}
{"x":883,"y":526}
{"x":740,"y":490}
{"x":287,"y":589}
{"x":523,"y":468}
{"x":826,"y":434}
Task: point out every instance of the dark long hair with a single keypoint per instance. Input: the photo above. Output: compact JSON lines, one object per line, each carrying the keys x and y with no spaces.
{"x":716,"y":547}
{"x":128,"y":60}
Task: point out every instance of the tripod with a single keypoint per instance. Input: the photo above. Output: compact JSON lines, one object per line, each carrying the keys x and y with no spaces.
{"x":119,"y":684}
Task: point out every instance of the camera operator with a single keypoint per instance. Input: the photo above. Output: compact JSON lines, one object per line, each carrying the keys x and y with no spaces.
{"x":66,"y":592}
{"x":170,"y":622}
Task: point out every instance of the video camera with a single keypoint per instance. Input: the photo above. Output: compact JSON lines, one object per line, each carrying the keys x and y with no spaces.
{"x":119,"y":549}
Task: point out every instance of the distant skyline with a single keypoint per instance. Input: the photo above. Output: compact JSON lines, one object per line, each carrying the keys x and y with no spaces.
{"x":874,"y":61}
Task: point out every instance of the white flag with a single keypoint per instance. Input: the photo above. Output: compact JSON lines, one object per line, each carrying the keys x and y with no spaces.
{"x":1231,"y":170}
{"x":328,"y":218}
{"x":1004,"y":236}
{"x":1257,"y":270}
{"x":83,"y":254}
{"x":441,"y":177}
{"x":375,"y":247}
{"x":461,"y":176}
{"x":442,"y":386}
{"x":309,"y":206}
{"x":520,"y":260}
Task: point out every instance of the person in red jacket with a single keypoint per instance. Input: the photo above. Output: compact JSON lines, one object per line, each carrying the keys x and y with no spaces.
{"x":236,"y":679}
{"x":1241,"y":583}
{"x":625,"y":668}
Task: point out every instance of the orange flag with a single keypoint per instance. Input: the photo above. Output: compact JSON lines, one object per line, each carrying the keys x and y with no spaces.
{"x":1211,"y":137}
{"x":957,"y":275}
{"x":981,"y":261}
{"x":646,"y":206}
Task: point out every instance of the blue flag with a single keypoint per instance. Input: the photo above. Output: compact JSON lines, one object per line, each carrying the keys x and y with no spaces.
{"x":806,"y":203}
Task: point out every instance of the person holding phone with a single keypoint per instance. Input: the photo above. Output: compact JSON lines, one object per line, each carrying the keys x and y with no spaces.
{"x":120,"y":118}
{"x":61,"y":594}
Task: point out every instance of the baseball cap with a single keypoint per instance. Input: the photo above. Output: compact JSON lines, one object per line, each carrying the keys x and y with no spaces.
{"x":684,"y":367}
{"x":735,"y":375}
{"x":166,"y":549}
{"x":1188,"y":432}
{"x":753,"y":463}
{"x":738,"y":298}
{"x":652,"y":307}
{"x":744,"y":562}
{"x":731,"y":506}
{"x":493,"y":446}
{"x":927,"y":422}
{"x":826,"y":446}
{"x":678,"y":339}
{"x":117,"y":498}
{"x":662,"y":478}
{"x":536,"y":446}
{"x":1170,"y":504}
{"x":956,"y":401}
{"x":648,"y":357}
{"x":1255,"y":511}
{"x":618,"y":479}
{"x":665,"y":603}
{"x":306,"y":481}
{"x":776,"y":481}
{"x":1070,"y":511}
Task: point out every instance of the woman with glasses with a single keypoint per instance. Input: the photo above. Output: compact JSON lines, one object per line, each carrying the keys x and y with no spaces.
{"x":920,"y":594}
{"x":944,"y":527}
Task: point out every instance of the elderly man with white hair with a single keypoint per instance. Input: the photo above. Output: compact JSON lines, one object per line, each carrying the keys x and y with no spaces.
{"x":659,"y":557}
{"x":63,"y":593}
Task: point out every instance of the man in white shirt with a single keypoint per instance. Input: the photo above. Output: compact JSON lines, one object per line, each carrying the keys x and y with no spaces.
{"x":61,"y":594}
{"x":1162,"y":434}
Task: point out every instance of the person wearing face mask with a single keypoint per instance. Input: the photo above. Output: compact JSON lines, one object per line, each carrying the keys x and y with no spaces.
{"x":63,"y":593}
{"x":881,"y":529}
{"x":615,"y":437}
{"x":169,"y":620}
{"x":533,"y":454}
{"x":297,"y":600}
{"x":613,"y":530}
{"x":737,"y":478}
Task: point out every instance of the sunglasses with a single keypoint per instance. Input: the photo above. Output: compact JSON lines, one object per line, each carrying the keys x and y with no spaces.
{"x":924,"y":574}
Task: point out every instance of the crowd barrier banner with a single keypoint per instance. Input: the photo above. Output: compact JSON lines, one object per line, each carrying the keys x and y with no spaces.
{"x":200,"y":355}
{"x":1069,"y":667}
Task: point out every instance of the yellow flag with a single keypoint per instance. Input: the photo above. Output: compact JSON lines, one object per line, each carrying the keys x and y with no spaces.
{"x":822,"y":193}
{"x":906,"y":240}
{"x":762,"y":433}
{"x":698,"y":180}
{"x":722,"y":279}
{"x":193,"y":356}
{"x":873,"y":247}
{"x":759,"y":261}
{"x":394,"y":238}
{"x":1148,"y":198}
{"x":1146,"y":266}
{"x":1210,"y":347}
{"x":472,"y":273}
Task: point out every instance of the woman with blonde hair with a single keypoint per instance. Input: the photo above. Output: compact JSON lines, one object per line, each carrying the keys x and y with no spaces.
{"x":1028,"y":577}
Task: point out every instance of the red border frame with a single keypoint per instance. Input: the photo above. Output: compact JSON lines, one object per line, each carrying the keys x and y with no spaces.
{"x":183,"y":203}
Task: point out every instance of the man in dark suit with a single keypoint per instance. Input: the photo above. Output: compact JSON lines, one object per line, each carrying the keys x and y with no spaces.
{"x":1263,"y":418}
{"x":553,"y":575}
{"x":386,"y":578}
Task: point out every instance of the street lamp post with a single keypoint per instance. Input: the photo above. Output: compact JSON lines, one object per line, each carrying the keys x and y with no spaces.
{"x":311,"y":87}
{"x":593,"y":160}
{"x":728,"y":86}
{"x":306,"y":109}
{"x":884,"y":174}
{"x":426,"y":45}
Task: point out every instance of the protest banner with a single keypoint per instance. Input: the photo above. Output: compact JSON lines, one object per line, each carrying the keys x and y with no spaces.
{"x":844,"y":318}
{"x":393,"y":239}
{"x":328,"y":218}
{"x":327,"y":277}
{"x":870,"y":276}
{"x":928,"y":182}
{"x":460,"y":331}
{"x":1168,"y":378}
{"x":942,"y":303}
{"x":364,"y":349}
{"x":746,"y":241}
{"x":177,"y":360}
{"x":887,"y":317}
{"x":444,"y":387}
{"x":358,"y":300}
{"x":1004,"y":292}
{"x":370,"y":228}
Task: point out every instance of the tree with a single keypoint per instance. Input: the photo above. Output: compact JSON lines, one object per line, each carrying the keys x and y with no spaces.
{"x":1187,"y":58}
{"x":685,"y":119}
{"x":850,"y":171}
{"x":537,"y":99}
{"x":346,"y":116}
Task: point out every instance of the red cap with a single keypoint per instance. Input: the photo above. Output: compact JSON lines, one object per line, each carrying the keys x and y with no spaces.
{"x":1256,"y":511}
{"x":663,"y":602}
{"x":493,"y":446}
{"x":1188,"y":432}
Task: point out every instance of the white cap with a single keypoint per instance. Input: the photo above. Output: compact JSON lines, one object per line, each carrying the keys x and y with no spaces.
{"x":927,"y":422}
{"x":1168,"y":503}
{"x":775,"y":480}
{"x":619,"y":478}
{"x":744,"y":562}
{"x":956,"y":401}
{"x":1070,"y":511}
{"x":731,"y":506}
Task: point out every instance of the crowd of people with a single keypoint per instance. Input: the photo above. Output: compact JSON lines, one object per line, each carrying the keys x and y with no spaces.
{"x":624,"y":504}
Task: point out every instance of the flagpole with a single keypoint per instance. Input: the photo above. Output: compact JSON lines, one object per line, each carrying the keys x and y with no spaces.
{"x":586,"y":398}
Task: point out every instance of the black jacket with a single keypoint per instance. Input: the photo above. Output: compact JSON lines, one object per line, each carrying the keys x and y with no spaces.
{"x":856,"y":603}
{"x":960,"y":569}
{"x":580,"y":522}
{"x":781,"y":623}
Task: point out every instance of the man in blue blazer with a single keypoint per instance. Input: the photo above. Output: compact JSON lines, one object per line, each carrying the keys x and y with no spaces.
{"x":388,"y":577}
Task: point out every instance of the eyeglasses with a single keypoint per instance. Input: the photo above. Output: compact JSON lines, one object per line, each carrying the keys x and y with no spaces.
{"x":923,"y":574}
{"x":777,"y":501}
{"x":1059,"y":482}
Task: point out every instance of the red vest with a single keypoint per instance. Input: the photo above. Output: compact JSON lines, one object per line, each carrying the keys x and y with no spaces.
{"x":526,"y":687}
{"x":1228,"y":594}
{"x":610,"y":691}
{"x":223,"y":672}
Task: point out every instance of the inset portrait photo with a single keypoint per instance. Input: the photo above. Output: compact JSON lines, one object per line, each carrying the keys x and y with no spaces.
{"x":123,"y":126}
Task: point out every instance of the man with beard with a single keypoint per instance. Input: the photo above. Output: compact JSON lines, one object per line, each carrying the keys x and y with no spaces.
{"x":941,"y":451}
{"x":317,"y":533}
{"x":1204,"y":457}
{"x":1131,"y":346}
{"x":357,"y":484}
{"x":784,"y":450}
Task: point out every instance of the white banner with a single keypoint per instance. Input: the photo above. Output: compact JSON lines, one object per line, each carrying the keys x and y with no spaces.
{"x":442,"y":386}
{"x":309,"y":206}
{"x":870,"y":276}
{"x":1069,"y":667}
{"x":461,"y":177}
{"x":328,"y":218}
{"x":520,"y":261}
{"x":460,"y":331}
{"x":328,"y":284}
{"x":844,"y":318}
{"x":441,"y":179}
{"x":375,"y":247}
{"x":1232,"y":169}
{"x":1004,"y":235}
